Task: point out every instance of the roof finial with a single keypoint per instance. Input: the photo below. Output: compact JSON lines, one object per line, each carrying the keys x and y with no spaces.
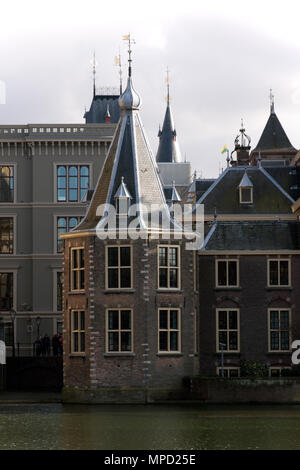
{"x":272,"y":106}
{"x":118,"y":63}
{"x":168,"y":86}
{"x":94,"y":74}
{"x":259,"y":159}
{"x":130,"y":41}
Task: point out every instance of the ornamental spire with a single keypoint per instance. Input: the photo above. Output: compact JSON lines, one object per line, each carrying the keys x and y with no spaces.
{"x":272,"y":104}
{"x":130,"y":99}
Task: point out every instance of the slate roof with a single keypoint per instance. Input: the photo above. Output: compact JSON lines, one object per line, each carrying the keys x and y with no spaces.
{"x":129,"y":159}
{"x":98,"y":109}
{"x":274,"y":137}
{"x":268,"y":196}
{"x":253,"y":236}
{"x":168,"y":149}
{"x":288,"y":177}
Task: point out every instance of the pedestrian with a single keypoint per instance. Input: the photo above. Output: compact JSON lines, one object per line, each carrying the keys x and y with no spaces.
{"x":55,"y":344}
{"x":38,"y":346}
{"x":47,"y":344}
{"x":60,"y":347}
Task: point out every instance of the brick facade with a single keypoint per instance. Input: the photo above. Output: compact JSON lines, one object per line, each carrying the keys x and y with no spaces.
{"x":144,"y":368}
{"x":253,"y":298}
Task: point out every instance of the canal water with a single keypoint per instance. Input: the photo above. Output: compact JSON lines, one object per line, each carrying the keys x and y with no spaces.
{"x":80,"y":427}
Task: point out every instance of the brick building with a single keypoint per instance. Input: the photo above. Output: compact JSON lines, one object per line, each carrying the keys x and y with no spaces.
{"x":141,"y":314}
{"x":129,"y":304}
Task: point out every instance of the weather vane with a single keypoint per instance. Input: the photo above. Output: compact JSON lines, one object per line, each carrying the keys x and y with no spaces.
{"x":127,"y":37}
{"x":271,"y":101}
{"x":94,"y":64}
{"x":168,"y":86}
{"x":118,"y":63}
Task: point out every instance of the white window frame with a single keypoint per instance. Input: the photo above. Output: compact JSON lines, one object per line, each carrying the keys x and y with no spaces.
{"x":278,"y":260}
{"x":251,"y":193}
{"x":228,"y":368}
{"x":169,"y":330}
{"x":168,"y":267}
{"x":227,"y":260}
{"x":77,"y":248}
{"x":119,"y":330}
{"x":228,"y":351}
{"x":119,"y":267}
{"x":280,"y":368}
{"x":78,"y":331}
{"x":279,"y":330}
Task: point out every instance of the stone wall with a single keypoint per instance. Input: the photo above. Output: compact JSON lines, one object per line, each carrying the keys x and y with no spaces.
{"x":242,"y":390}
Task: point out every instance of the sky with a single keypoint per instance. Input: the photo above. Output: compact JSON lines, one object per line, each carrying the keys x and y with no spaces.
{"x":223,"y":58}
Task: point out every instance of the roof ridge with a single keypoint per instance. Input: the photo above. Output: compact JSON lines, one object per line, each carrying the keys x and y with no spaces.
{"x":278,"y":186}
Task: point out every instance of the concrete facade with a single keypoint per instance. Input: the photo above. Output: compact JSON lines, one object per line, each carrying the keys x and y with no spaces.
{"x":34,"y":152}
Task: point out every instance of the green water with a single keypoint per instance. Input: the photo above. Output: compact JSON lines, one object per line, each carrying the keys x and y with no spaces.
{"x":72,"y":427}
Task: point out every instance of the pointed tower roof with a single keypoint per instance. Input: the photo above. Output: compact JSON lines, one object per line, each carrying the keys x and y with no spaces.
{"x":175,"y":196}
{"x":168,"y":148}
{"x":273,"y":137}
{"x":245,"y":181}
{"x":129,"y":160}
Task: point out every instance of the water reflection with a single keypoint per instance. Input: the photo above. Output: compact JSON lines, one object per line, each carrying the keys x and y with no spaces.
{"x":57,"y":426}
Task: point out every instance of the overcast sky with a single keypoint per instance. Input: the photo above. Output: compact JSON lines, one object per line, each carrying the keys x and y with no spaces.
{"x":223,"y":59}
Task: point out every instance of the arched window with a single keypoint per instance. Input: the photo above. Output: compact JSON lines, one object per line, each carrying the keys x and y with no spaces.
{"x":61,"y":183}
{"x":73,"y":184}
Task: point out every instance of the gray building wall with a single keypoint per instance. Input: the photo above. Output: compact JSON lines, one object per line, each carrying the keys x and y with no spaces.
{"x":35,"y":150}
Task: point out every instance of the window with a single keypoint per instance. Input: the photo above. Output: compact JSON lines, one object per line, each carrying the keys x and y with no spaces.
{"x":228,"y":330}
{"x":6,"y":291}
{"x":6,"y":235}
{"x":279,"y":272}
{"x":169,"y":330}
{"x":63,"y":225}
{"x":119,"y":331}
{"x":277,"y":371}
{"x":168,"y":267}
{"x":122,"y":205}
{"x":6,"y":183}
{"x":279,"y":330}
{"x":227,"y":273}
{"x":77,"y":269}
{"x":72,"y":182}
{"x":228,"y":372}
{"x":77,"y":331}
{"x":246,"y":195}
{"x":119,"y":267}
{"x":59,"y":291}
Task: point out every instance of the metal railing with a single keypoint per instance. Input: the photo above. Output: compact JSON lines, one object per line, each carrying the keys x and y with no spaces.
{"x":32,"y":349}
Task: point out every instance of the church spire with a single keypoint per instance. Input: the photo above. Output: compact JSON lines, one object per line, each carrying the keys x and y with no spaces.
{"x":168,"y":149}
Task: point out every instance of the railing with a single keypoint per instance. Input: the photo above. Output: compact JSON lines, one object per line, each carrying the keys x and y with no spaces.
{"x":31,"y":349}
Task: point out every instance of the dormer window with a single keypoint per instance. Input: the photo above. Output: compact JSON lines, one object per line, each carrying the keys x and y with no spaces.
{"x":246,"y":190}
{"x":122,"y":199}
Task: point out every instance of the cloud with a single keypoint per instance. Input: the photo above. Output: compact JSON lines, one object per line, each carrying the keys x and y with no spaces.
{"x":222,"y":64}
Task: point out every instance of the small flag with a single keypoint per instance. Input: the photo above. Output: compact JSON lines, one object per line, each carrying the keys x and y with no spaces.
{"x":127,"y":37}
{"x":117,"y":60}
{"x":224,"y":149}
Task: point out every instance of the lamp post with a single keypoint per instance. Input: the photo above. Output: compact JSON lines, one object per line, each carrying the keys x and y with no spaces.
{"x":13,"y":314}
{"x":38,"y":322}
